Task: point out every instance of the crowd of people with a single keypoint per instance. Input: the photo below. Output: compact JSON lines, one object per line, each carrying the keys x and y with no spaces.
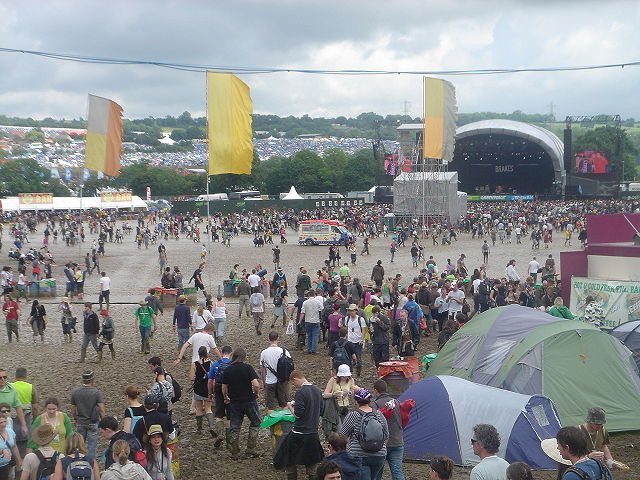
{"x":352,"y":322}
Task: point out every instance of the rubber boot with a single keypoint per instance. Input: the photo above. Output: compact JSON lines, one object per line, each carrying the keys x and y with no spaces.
{"x":142,"y":346}
{"x":234,"y":445}
{"x":292,"y":472}
{"x":358,"y":370}
{"x":219,"y":434}
{"x":147,"y":346}
{"x":252,"y":443}
{"x":113,"y":354}
{"x":198,"y":423}
{"x":227,"y":438}
{"x":83,"y":354}
{"x":212,"y":424}
{"x":98,"y":356}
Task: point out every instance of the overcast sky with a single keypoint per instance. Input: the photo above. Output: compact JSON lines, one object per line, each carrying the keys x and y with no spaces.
{"x":314,"y":34}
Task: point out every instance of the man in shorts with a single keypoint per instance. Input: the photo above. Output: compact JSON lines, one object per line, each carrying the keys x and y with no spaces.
{"x":277,"y":393}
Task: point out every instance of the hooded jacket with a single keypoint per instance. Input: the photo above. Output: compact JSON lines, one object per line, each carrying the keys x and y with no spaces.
{"x":130,"y":471}
{"x":349,"y":465}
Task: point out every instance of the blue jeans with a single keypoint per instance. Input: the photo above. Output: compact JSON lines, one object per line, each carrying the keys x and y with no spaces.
{"x":394,"y":459}
{"x":219,"y":323}
{"x":357,"y":349}
{"x":145,"y":332}
{"x":237,"y":411}
{"x":183,"y":336}
{"x":313,"y":335}
{"x":90,"y":434}
{"x":371,"y":468}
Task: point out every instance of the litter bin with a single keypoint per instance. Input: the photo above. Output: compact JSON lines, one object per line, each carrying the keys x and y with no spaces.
{"x":47,"y":287}
{"x":34,"y":289}
{"x":399,"y":375}
{"x":230,"y":288}
{"x":280,"y":424}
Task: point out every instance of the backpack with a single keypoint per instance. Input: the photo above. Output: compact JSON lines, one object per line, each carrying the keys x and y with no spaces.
{"x":77,"y":467}
{"x":340,"y":355}
{"x":284,"y":367}
{"x":134,"y":419}
{"x":222,"y":366}
{"x":370,"y":433}
{"x":177,"y":389}
{"x":277,"y":299}
{"x":605,"y":473}
{"x":47,"y":465}
{"x":255,"y":300}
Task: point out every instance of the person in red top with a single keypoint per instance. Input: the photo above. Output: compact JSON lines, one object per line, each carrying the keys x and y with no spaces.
{"x":11,"y":310}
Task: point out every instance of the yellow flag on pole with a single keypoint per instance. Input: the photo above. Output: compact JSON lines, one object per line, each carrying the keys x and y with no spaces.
{"x":440,"y":113}
{"x":229,"y":109}
{"x":103,"y":147}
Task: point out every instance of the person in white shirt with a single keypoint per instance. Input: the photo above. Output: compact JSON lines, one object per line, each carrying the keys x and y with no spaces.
{"x":200,"y":339}
{"x":511,"y":273}
{"x":310,"y":315}
{"x":105,"y":289}
{"x":485,"y":442}
{"x":356,"y":326}
{"x":455,"y":298}
{"x":201,"y":316}
{"x":276,"y":393}
{"x":256,"y":302}
{"x":534,"y":266}
{"x":254,"y":279}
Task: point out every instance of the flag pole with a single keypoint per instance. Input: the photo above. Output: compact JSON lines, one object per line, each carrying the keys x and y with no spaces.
{"x":208,"y":233}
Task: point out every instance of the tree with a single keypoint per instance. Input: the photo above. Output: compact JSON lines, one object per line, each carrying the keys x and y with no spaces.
{"x":34,"y":136}
{"x":25,"y":175}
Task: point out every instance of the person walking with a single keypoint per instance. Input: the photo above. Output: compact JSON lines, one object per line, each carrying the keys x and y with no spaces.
{"x":257,"y":309}
{"x":244,"y":292}
{"x":485,"y":442}
{"x":302,"y":446}
{"x":159,"y":456}
{"x":485,"y":252}
{"x":182,"y":321}
{"x":59,"y":421}
{"x":276,"y":391}
{"x":220,"y":312}
{"x":221,"y":412}
{"x":107,"y":333}
{"x":395,"y":443}
{"x":379,"y":327}
{"x":38,"y":321}
{"x":29,"y":399}
{"x":87,"y":409}
{"x":240,"y":388}
{"x":198,"y":375}
{"x":105,"y":290}
{"x":67,"y":319}
{"x":145,"y":320}
{"x":11,"y":310}
{"x":371,"y":451}
{"x":91,"y":328}
{"x":310,"y":315}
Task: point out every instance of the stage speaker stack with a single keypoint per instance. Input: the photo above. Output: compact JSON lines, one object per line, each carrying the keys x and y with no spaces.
{"x":568,"y":150}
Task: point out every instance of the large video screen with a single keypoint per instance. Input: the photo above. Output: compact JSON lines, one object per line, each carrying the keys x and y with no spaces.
{"x":592,"y":161}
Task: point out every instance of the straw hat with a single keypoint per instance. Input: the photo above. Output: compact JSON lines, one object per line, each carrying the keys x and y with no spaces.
{"x":550,"y":448}
{"x":43,"y":435}
{"x":353,"y":306}
{"x":154,"y":430}
{"x":142,"y":303}
{"x":65,"y":299}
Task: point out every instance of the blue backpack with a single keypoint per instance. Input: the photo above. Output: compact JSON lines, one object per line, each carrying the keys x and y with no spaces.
{"x":134,"y":419}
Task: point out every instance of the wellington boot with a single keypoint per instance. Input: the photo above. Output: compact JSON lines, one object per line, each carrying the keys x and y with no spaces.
{"x":198,"y":423}
{"x":83,"y":355}
{"x":113,"y":354}
{"x":212,"y":424}
{"x":234,"y":445}
{"x":147,"y":345}
{"x":252,"y":442}
{"x":218,"y":434}
{"x":227,"y":438}
{"x":98,"y":356}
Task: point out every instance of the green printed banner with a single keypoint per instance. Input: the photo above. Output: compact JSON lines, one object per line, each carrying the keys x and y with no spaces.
{"x":619,"y":299}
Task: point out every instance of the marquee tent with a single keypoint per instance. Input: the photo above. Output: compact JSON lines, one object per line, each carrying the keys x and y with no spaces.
{"x":12,"y":204}
{"x":292,"y":195}
{"x":447,"y":408}
{"x":629,"y":334}
{"x":531,"y":352}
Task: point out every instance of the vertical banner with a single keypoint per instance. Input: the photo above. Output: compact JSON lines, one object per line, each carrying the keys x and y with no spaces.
{"x":148,"y":194}
{"x":100,"y":175}
{"x":85,"y":174}
{"x":67,"y":174}
{"x":440,"y":112}
{"x":229,"y":109}
{"x":104,"y":136}
{"x":54,"y":172}
{"x":619,"y":299}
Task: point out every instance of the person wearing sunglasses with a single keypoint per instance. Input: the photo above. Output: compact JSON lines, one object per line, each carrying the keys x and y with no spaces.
{"x":9,"y":395}
{"x":486,"y":443}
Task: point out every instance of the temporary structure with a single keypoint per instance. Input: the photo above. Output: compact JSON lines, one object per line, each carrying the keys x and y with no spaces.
{"x":292,"y":195}
{"x":447,"y":408}
{"x":629,"y":334}
{"x":531,"y":352}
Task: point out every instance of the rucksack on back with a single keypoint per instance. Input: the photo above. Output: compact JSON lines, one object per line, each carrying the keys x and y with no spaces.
{"x":222,"y":366}
{"x":134,"y":419}
{"x":371,"y":432}
{"x":78,"y":468}
{"x":284,"y":367}
{"x":277,"y":299}
{"x":340,"y":355}
{"x":47,"y":465}
{"x":177,"y":389}
{"x":605,"y":473}
{"x":255,"y":300}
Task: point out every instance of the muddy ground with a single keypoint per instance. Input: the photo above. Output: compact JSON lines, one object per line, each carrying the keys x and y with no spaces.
{"x":55,"y":372}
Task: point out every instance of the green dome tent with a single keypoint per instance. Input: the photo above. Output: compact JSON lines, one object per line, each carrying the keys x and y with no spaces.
{"x":531,"y":352}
